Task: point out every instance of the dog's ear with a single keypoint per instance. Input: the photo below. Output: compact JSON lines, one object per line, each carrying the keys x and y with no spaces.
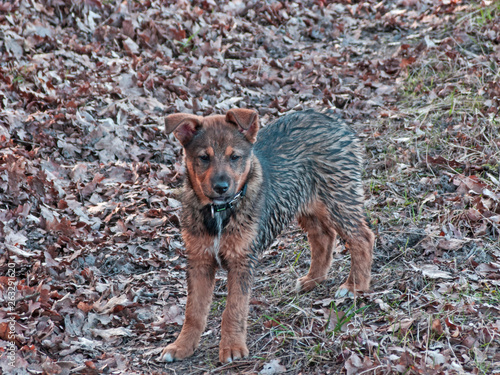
{"x":184,"y":126}
{"x":247,"y":121}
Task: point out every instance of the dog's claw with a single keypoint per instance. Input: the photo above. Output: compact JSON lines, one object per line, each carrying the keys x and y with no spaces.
{"x":306,"y":284}
{"x":344,"y":292}
{"x":298,"y":286}
{"x":167,"y":357}
{"x":228,"y":355}
{"x":173,"y":352}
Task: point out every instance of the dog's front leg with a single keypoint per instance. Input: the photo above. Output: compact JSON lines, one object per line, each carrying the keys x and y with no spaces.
{"x":200,"y":280}
{"x":234,"y":319}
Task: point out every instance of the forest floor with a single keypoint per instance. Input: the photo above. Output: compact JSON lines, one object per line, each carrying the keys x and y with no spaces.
{"x":92,"y":265}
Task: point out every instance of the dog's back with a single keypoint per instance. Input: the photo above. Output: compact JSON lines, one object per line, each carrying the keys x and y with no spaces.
{"x":308,"y":157}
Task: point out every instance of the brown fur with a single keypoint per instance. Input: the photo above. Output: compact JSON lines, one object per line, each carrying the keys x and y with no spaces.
{"x":321,"y":236}
{"x":221,"y":164}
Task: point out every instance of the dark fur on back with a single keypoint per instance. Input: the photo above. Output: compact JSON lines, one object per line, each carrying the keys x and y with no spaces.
{"x":306,"y":156}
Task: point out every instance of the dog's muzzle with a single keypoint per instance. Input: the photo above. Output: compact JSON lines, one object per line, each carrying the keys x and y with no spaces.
{"x":226,"y":206}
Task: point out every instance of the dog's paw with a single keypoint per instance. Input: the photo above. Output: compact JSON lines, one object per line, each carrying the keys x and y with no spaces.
{"x":305,"y":284}
{"x":174,"y":352}
{"x":229,"y":354}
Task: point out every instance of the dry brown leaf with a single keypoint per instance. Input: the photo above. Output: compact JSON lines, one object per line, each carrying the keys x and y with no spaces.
{"x":402,"y":325}
{"x":432,"y":271}
{"x":437,"y":327}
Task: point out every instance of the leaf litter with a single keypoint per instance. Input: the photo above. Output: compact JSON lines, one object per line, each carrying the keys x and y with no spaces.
{"x":89,"y":186}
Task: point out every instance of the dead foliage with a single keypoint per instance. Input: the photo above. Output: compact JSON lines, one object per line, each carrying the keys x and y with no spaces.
{"x":89,"y":185}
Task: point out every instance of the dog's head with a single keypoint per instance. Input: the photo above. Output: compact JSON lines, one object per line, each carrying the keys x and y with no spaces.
{"x":218,"y":151}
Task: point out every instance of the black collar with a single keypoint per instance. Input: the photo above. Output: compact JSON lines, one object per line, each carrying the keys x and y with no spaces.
{"x":226,"y":206}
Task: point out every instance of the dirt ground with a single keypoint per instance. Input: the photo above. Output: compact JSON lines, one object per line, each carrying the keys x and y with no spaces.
{"x":92,"y":264}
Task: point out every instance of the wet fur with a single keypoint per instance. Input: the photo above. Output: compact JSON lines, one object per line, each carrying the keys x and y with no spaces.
{"x":305,"y":165}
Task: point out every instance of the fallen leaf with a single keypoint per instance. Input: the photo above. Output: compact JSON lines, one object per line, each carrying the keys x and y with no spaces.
{"x":110,"y":333}
{"x":402,"y":325}
{"x":109,"y":306}
{"x":437,"y":327}
{"x":432,"y":271}
{"x":272,"y":367}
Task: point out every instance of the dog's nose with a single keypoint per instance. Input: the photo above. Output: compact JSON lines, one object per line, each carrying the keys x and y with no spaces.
{"x":221,"y":187}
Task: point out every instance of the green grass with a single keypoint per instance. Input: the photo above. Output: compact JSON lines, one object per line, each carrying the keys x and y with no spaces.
{"x":344,"y":317}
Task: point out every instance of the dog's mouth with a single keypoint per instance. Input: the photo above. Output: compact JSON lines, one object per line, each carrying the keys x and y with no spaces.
{"x":220,"y":200}
{"x":226,"y":199}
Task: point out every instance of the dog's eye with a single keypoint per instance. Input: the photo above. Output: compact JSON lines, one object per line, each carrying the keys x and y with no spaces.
{"x":204,"y":158}
{"x":235,"y":157}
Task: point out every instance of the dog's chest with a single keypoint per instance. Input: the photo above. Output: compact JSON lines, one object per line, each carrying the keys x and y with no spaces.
{"x":230,"y":233}
{"x":215,"y":222}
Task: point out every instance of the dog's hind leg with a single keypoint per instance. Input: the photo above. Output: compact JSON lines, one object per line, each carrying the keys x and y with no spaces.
{"x":322,"y":225}
{"x":321,"y":236}
{"x":360,"y":244}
